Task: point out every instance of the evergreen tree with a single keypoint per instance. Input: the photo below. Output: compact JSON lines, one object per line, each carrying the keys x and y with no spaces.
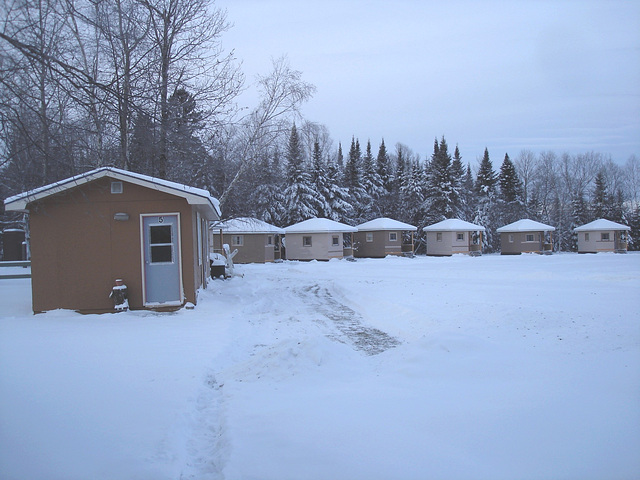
{"x":440,"y":194}
{"x":386,"y":200}
{"x":467,"y":196}
{"x":600,"y":205}
{"x":384,"y":167}
{"x":579,"y":216}
{"x":267,"y":198}
{"x":486,"y":178}
{"x":320,"y":183}
{"x":371,"y":181}
{"x":359,"y":198}
{"x":338,"y":196}
{"x":486,"y":213}
{"x":457,"y":177}
{"x":299,"y":195}
{"x":512,"y":206}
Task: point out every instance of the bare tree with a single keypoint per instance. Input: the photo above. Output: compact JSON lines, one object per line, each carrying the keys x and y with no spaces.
{"x":282,"y":93}
{"x":185,"y":37}
{"x":525,"y":164}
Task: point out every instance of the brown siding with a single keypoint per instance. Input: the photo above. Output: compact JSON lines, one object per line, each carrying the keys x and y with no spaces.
{"x":380,"y":247}
{"x":253,"y":250}
{"x":78,"y":249}
{"x":519,"y":244}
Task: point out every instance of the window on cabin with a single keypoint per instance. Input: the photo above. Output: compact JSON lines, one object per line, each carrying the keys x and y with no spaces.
{"x":604,"y":237}
{"x":439,"y":236}
{"x":161,"y":244}
{"x":306,"y":241}
{"x":269,"y":240}
{"x":530,"y":237}
{"x":511,"y":238}
{"x":237,"y":240}
{"x":369,"y":237}
{"x":460,"y":236}
{"x":335,"y":241}
{"x":586,"y":237}
{"x":393,"y":236}
{"x":116,"y":187}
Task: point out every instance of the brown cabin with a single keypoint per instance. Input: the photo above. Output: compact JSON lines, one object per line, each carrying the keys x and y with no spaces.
{"x":107,"y":224}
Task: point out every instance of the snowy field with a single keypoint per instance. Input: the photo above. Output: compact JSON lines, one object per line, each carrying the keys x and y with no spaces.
{"x":496,"y":367}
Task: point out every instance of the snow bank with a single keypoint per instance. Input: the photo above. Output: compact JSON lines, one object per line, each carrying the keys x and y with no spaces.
{"x":493,"y":367}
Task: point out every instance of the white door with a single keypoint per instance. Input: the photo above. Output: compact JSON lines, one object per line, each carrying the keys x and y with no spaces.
{"x":162,"y":270}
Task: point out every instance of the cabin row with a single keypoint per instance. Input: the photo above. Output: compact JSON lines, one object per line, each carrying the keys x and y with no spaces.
{"x":322,"y":239}
{"x":107,"y":232}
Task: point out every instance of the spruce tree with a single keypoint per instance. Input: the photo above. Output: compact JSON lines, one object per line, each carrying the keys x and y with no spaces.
{"x":320,"y":183}
{"x":486,"y":213}
{"x":440,"y":201}
{"x":486,"y":178}
{"x":371,"y":181}
{"x":511,"y":206}
{"x":299,"y":195}
{"x":600,"y":205}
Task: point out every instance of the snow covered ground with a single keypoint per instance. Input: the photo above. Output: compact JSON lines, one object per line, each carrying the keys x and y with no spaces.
{"x":494,"y":367}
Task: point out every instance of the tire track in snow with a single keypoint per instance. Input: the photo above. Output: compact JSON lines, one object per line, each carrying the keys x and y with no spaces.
{"x":347,"y":321}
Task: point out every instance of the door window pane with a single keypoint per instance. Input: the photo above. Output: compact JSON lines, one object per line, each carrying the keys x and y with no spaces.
{"x":161,"y":254}
{"x":160,"y":234}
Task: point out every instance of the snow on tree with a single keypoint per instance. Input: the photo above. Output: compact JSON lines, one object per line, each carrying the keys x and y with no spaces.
{"x":486,"y":213}
{"x":512,"y":206}
{"x":320,"y":183}
{"x":267,"y":199}
{"x":360,"y":200}
{"x":299,"y":197}
{"x":371,"y":181}
{"x":601,"y":203}
{"x":441,"y":196}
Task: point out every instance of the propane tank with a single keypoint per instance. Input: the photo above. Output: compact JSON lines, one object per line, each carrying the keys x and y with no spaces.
{"x":119,"y":296}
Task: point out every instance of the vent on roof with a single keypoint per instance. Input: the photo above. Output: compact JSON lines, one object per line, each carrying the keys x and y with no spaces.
{"x":116,"y":187}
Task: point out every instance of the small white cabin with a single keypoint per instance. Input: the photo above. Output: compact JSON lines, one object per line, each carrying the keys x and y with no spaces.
{"x":602,"y":235}
{"x":454,"y":236}
{"x":318,"y":239}
{"x":525,"y":236}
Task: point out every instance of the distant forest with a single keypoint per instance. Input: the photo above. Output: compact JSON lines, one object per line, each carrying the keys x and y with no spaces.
{"x":145,"y":85}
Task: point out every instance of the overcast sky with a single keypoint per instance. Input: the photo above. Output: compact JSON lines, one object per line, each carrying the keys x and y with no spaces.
{"x":507,"y":75}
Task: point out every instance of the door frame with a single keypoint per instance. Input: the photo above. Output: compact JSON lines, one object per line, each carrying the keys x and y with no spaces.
{"x":143,"y":263}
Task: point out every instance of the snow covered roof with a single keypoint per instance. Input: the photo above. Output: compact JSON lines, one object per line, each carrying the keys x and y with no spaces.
{"x":246,"y":225}
{"x":384,"y":223}
{"x":454,"y":225}
{"x":601,"y":224}
{"x":526,"y":225}
{"x":319,"y":225}
{"x":194,"y":196}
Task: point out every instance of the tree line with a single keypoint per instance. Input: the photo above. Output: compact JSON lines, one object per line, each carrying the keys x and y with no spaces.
{"x":146,"y":85}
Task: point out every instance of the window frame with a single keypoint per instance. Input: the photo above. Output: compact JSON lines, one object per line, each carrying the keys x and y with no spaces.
{"x":393,"y":236}
{"x":307,"y":241}
{"x":369,"y":237}
{"x":237,"y":240}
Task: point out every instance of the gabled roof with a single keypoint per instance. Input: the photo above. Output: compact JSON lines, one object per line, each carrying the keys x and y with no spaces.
{"x":193,"y":196}
{"x":601,"y":224}
{"x":454,"y":225}
{"x":246,"y":225}
{"x":319,"y":225}
{"x":526,"y":225}
{"x":384,"y":223}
